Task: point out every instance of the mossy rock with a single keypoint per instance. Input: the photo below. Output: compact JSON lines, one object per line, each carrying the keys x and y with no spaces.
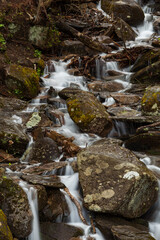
{"x":5,"y":232}
{"x":22,"y":81}
{"x":12,"y":137}
{"x":89,"y":114}
{"x":151,"y":101}
{"x":14,"y":203}
{"x":43,"y":37}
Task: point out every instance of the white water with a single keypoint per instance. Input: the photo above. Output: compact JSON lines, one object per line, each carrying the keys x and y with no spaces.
{"x":154,"y":218}
{"x":32,"y":199}
{"x":59,"y":80}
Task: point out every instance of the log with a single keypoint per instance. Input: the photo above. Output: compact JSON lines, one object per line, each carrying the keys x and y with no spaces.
{"x":67,"y":146}
{"x":150,"y":127}
{"x":87,"y":41}
{"x":77,"y":205}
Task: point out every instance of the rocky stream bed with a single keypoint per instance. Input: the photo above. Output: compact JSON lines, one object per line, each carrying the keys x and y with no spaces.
{"x":79,"y":120}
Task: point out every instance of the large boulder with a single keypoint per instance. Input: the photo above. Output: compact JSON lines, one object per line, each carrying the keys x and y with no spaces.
{"x":12,"y":137}
{"x":5,"y":232}
{"x":151,"y":101}
{"x":59,"y":231}
{"x":128,"y":10}
{"x":114,"y":181}
{"x":6,"y":104}
{"x":14,"y":203}
{"x":43,"y":150}
{"x":22,"y":81}
{"x":114,"y":227}
{"x":148,"y":142}
{"x":89,"y":114}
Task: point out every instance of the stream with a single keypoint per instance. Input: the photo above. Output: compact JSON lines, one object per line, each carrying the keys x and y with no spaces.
{"x":61,"y":79}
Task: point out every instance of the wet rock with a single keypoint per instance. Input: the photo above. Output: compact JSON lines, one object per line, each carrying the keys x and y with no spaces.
{"x":10,"y":105}
{"x":12,"y":137}
{"x":5,"y":232}
{"x":22,"y":81}
{"x":59,"y":231}
{"x":128,"y":10}
{"x":43,"y":150}
{"x":110,"y":226}
{"x":56,"y":206}
{"x":101,"y":86}
{"x":47,"y":181}
{"x":123,"y":30}
{"x":151,"y":101}
{"x":56,"y":102}
{"x":156,"y":25}
{"x":73,"y":47}
{"x":50,"y":67}
{"x":128,"y":233}
{"x":126,"y":99}
{"x":114,"y":181}
{"x":146,"y":59}
{"x":89,"y":114}
{"x":69,"y":92}
{"x":149,"y":142}
{"x":56,"y":116}
{"x":14,"y":203}
{"x":41,"y":196}
{"x":48,"y":167}
{"x":156,"y":42}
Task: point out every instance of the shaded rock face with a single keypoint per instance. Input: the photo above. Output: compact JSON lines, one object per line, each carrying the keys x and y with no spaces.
{"x":151,"y":101}
{"x":128,"y":232}
{"x":22,"y":81}
{"x":124,"y":31}
{"x":14,"y":203}
{"x":119,"y":228}
{"x":43,"y":150}
{"x":146,"y":59}
{"x":114,"y":181}
{"x":59,"y":231}
{"x":12,"y":137}
{"x":148,"y":142}
{"x":148,"y":75}
{"x":56,"y":206}
{"x":5,"y":232}
{"x":128,"y":10}
{"x":6,"y":104}
{"x":89,"y":114}
{"x":111,"y":86}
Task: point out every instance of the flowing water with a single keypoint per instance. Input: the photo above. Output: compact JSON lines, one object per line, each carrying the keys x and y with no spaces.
{"x":32,"y":199}
{"x":60,"y":79}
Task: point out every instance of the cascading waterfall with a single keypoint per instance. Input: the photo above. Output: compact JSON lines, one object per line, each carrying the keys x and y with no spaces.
{"x":60,"y":79}
{"x":32,"y":199}
{"x":154,"y":223}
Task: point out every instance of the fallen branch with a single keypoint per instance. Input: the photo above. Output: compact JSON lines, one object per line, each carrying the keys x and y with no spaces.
{"x":77,"y":205}
{"x":150,"y":127}
{"x":95,"y":45}
{"x":67,"y":146}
